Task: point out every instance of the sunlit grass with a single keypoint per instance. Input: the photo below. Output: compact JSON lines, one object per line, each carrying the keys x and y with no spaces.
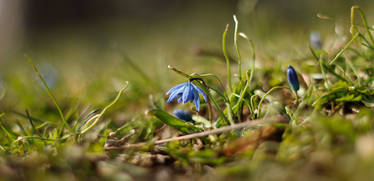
{"x":253,"y":122}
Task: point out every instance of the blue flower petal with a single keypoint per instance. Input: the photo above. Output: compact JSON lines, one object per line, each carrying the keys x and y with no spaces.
{"x":201,"y":92}
{"x":176,"y":93}
{"x":180,"y":99}
{"x":190,"y":94}
{"x":173,"y":89}
{"x":173,"y":96}
{"x":196,"y":100}
{"x":187,"y":92}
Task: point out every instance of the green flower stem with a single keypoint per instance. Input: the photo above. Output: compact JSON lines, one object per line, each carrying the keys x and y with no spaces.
{"x":243,"y":92}
{"x":249,"y":77}
{"x":237,"y":47}
{"x":179,"y":72}
{"x":296,"y":96}
{"x":226,"y":57}
{"x":229,"y":113}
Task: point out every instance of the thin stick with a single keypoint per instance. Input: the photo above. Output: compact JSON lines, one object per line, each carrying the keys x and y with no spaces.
{"x":247,"y":124}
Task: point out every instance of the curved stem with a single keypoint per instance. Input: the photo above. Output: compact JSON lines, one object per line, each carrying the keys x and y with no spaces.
{"x":226,"y":57}
{"x":95,"y":119}
{"x":220,"y":82}
{"x":267,"y":93}
{"x":321,"y":64}
{"x":229,"y":113}
{"x":243,"y":92}
{"x":296,"y":96}
{"x":364,"y":21}
{"x":179,"y":72}
{"x":345,"y":48}
{"x":237,"y":47}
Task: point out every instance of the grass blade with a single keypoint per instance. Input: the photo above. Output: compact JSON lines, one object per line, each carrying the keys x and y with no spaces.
{"x":64,"y":123}
{"x":173,"y":121}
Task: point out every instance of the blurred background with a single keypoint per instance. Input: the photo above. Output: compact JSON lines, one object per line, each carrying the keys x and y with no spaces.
{"x":79,"y":44}
{"x":93,"y":26}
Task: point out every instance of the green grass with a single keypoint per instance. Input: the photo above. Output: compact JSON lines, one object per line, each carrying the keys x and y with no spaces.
{"x":254,"y":126}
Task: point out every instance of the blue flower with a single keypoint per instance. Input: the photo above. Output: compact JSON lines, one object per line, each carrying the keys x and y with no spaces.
{"x":292,"y":78}
{"x":315,"y":40}
{"x":187,"y":92}
{"x":183,"y":115}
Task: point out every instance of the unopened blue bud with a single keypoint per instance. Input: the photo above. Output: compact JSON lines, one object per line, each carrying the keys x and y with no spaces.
{"x":292,"y":78}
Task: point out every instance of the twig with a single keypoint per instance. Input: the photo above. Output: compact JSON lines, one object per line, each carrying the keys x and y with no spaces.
{"x":247,"y":124}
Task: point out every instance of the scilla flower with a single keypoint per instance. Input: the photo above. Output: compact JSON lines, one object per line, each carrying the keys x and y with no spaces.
{"x":187,"y":92}
{"x":182,"y":114}
{"x":292,"y":78}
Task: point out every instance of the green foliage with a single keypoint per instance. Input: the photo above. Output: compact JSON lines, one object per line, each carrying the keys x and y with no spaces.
{"x":174,"y":122}
{"x":324,"y":130}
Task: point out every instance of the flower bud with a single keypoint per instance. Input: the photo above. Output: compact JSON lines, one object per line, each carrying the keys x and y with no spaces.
{"x":292,"y":78}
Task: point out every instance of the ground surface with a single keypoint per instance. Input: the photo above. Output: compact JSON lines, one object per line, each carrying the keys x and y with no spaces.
{"x":110,"y":120}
